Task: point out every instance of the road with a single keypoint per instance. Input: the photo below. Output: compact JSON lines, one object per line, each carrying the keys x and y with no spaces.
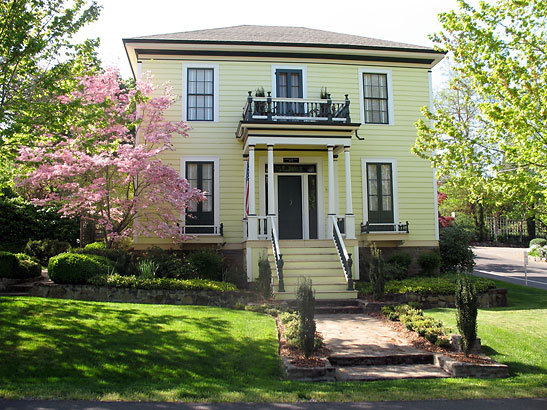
{"x":507,"y":264}
{"x":487,"y":404}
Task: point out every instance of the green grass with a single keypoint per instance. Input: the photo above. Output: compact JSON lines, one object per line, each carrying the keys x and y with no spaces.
{"x":109,"y":351}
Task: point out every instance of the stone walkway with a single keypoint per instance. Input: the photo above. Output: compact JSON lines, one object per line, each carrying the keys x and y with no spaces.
{"x":363,"y":348}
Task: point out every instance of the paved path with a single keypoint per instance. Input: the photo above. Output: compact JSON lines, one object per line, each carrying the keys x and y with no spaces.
{"x":360,"y":334}
{"x":495,"y":404}
{"x":507,"y":264}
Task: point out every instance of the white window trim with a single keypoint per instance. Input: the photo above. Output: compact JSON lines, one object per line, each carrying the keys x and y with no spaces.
{"x":216,"y":179}
{"x":185,"y":68}
{"x":390,"y":110}
{"x":393,"y":162}
{"x":304,"y":70}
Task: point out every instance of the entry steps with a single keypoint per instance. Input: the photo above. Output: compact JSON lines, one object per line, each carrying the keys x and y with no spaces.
{"x":313,"y":259}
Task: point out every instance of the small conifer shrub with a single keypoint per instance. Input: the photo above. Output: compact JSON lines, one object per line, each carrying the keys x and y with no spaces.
{"x":376,"y":274}
{"x":264,"y":276}
{"x":306,"y":309}
{"x":466,"y":312}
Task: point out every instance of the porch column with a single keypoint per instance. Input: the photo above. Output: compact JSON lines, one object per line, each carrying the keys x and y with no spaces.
{"x":271,"y":182}
{"x":252,"y":221}
{"x":350,"y":218}
{"x":331,"y":209}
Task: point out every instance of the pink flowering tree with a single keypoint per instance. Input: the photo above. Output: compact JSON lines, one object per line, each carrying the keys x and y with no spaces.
{"x":107,"y":166}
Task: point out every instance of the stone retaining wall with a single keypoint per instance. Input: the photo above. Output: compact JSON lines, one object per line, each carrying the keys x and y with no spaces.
{"x":153,"y":296}
{"x":492,"y":298}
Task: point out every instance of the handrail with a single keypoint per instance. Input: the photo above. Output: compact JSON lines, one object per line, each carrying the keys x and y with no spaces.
{"x":345,"y":257}
{"x":278,"y":257}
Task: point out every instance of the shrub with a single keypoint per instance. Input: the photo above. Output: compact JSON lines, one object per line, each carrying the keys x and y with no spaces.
{"x":118,"y":281}
{"x":147,"y":269}
{"x":95,"y":245}
{"x":28,"y":267}
{"x":429,"y":262}
{"x":45,"y":249}
{"x":74,"y":268}
{"x":8,"y":265}
{"x":306,"y":309}
{"x":264,"y":279}
{"x":396,"y":265}
{"x":169,"y":265}
{"x":441,"y":285}
{"x":123,"y":261}
{"x":376,"y":274}
{"x":236,"y":276}
{"x":456,"y":253}
{"x":466,"y":313}
{"x":207,"y":264}
{"x":538,"y":241}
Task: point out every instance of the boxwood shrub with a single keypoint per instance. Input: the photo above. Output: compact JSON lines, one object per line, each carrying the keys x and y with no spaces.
{"x":8,"y":265}
{"x":118,"y":281}
{"x":124,"y":261}
{"x":45,"y":249}
{"x":70,"y":268}
{"x":18,"y":266}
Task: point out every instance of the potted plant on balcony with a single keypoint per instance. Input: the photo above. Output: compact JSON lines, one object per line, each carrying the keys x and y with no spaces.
{"x":260,"y":106}
{"x":323,"y":108}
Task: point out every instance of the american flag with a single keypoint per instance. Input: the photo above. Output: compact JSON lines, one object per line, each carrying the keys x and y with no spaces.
{"x":247,"y":191}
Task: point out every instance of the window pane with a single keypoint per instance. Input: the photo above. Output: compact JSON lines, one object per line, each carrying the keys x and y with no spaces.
{"x":209,"y":75}
{"x":200,"y":75}
{"x":373,"y":186}
{"x":192,"y":171}
{"x":386,"y":187}
{"x":386,"y":171}
{"x":209,"y":114}
{"x":191,"y":74}
{"x":207,"y":205}
{"x":207,"y":185}
{"x":207,"y":171}
{"x":373,"y":203}
{"x":371,"y":170}
{"x":386,"y":202}
{"x":192,"y":206}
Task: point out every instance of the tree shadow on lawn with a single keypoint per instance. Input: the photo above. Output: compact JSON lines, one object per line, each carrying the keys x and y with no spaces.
{"x":99,"y":348}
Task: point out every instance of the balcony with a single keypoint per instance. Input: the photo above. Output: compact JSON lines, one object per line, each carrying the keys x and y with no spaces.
{"x":294,"y":114}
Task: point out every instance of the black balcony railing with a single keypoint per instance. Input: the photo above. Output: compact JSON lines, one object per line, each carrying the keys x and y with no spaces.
{"x":296,"y":110}
{"x":384,"y":227}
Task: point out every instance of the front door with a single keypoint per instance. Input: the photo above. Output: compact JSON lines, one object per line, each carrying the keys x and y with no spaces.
{"x":290,"y":206}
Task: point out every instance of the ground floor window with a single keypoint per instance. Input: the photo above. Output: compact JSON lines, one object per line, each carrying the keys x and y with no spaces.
{"x":200,"y":216}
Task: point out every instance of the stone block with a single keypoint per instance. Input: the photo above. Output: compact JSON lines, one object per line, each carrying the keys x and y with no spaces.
{"x":456,"y":344}
{"x":464,"y":369}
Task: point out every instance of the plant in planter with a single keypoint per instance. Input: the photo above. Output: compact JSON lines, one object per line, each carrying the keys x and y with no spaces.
{"x":260,"y":106}
{"x":323,"y":108}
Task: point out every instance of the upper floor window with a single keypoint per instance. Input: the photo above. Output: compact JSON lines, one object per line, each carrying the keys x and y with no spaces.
{"x":289,"y":83}
{"x":376,"y":96}
{"x":200,"y":92}
{"x":375,"y":92}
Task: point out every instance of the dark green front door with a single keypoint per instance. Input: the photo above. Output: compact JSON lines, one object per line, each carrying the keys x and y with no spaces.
{"x":289,"y":206}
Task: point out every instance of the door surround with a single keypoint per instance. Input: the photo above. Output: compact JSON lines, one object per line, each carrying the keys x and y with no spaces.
{"x":278,"y":159}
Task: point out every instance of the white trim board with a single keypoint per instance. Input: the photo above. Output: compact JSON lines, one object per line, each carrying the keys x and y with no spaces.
{"x":390,"y":105}
{"x":395,"y":181}
{"x":216,"y":179}
{"x":184,"y":98}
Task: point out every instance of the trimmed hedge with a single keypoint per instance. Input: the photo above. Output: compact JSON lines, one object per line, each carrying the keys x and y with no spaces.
{"x":441,"y":285}
{"x":118,"y":281}
{"x":45,"y":249}
{"x":18,"y":266}
{"x":538,"y":241}
{"x":71,"y":268}
{"x":95,"y":245}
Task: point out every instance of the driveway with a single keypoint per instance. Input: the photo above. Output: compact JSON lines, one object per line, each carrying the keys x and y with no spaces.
{"x":507,"y":264}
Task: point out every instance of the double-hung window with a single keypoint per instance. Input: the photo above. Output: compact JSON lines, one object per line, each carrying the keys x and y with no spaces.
{"x":376,"y":98}
{"x":201,"y":214}
{"x":200,"y":95}
{"x":375,"y":90}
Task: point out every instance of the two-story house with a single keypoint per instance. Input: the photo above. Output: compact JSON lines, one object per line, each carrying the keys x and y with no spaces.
{"x":301,"y":139}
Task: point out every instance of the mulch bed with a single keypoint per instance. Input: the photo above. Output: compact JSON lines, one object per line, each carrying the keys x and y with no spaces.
{"x":420,"y":342}
{"x":296,"y":357}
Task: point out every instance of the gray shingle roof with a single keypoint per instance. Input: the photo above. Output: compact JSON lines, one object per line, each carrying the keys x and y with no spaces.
{"x":278,"y":34}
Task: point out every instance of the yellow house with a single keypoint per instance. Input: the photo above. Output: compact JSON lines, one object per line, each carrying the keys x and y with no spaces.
{"x":301,"y":139}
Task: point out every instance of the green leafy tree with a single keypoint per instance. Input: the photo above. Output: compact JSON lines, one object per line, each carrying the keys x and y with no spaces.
{"x":39,"y":62}
{"x":488,"y":132}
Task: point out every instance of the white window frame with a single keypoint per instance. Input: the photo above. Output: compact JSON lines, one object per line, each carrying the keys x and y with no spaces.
{"x":216,"y":179}
{"x":302,"y":68}
{"x":394,"y":181}
{"x":185,"y":68}
{"x":390,"y":110}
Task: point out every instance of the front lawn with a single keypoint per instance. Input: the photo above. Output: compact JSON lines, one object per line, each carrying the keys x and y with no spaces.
{"x":113,"y":351}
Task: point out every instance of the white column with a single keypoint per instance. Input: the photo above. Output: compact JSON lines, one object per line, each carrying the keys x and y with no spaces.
{"x":252,"y":219}
{"x":272,"y":211}
{"x":331,"y":209}
{"x":350,"y":218}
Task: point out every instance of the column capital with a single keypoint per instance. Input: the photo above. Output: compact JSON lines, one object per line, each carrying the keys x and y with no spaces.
{"x":270,"y":146}
{"x":330,"y":147}
{"x":346,"y":149}
{"x":252,"y":147}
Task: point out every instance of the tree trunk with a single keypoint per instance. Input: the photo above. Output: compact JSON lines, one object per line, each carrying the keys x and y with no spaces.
{"x":482,"y":234}
{"x":531,"y":227}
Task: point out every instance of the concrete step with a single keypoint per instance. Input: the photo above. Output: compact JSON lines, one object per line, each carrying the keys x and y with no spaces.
{"x":390,"y":372}
{"x":347,"y":360}
{"x":310,"y":243}
{"x":311,"y":264}
{"x":319,"y":271}
{"x":316,"y":279}
{"x":318,"y":287}
{"x":338,"y":310}
{"x":316,"y":257}
{"x":319,"y":295}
